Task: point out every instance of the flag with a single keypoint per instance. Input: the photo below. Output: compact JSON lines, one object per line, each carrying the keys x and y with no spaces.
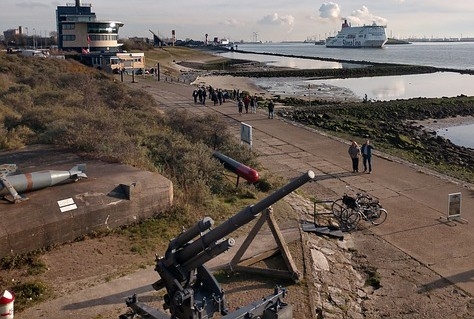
{"x":85,"y":51}
{"x":88,"y":39}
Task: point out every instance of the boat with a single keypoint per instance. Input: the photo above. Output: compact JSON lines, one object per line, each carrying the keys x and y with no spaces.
{"x":367,"y":36}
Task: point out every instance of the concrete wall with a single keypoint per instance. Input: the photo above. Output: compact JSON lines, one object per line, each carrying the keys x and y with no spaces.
{"x":101,"y":202}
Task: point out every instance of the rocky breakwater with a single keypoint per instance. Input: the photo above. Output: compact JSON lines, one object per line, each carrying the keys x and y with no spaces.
{"x":393,"y":125}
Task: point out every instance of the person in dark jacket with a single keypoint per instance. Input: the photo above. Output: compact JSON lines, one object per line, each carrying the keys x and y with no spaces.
{"x":271,"y":107}
{"x":240,"y":105}
{"x":246,"y":103}
{"x":366,"y":151}
{"x":354,"y":153}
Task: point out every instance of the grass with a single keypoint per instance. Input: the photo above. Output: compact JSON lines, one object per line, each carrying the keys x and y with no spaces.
{"x":59,"y":102}
{"x":30,"y":293}
{"x":373,"y":278}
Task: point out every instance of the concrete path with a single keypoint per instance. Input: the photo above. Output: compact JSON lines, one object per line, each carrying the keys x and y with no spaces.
{"x":416,"y":198}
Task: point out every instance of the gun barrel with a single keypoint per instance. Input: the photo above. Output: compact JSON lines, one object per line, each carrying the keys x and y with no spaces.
{"x":198,"y":228}
{"x":207,"y":255}
{"x":250,"y":174}
{"x":241,"y":218}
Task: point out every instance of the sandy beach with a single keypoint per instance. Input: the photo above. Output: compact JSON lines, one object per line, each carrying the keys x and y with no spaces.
{"x":231,"y":82}
{"x":274,"y":87}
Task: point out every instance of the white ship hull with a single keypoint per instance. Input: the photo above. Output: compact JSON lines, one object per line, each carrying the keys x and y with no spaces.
{"x":372,"y":36}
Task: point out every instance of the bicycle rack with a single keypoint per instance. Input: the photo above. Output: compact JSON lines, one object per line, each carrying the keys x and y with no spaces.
{"x":322,"y":230}
{"x":315,"y":210}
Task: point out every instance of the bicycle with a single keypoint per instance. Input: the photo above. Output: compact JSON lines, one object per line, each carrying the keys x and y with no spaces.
{"x":350,"y":210}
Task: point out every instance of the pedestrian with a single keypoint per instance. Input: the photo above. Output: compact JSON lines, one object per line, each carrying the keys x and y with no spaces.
{"x":204,"y":95}
{"x":220,"y":96}
{"x":366,"y":151}
{"x":354,"y":153}
{"x":214,"y":97}
{"x":200,"y":95}
{"x":253,"y":104}
{"x":246,"y":103}
{"x":195,"y":96}
{"x":240,"y":105}
{"x":271,"y":107}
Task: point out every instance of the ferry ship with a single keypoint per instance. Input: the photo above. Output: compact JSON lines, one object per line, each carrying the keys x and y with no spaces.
{"x":367,"y":36}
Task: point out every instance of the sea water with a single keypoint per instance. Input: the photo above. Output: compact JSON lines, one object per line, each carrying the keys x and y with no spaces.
{"x":459,"y":135}
{"x":455,"y":56}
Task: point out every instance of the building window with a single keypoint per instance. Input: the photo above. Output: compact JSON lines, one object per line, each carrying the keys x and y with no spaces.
{"x":69,"y":37}
{"x":102,"y":28}
{"x":69,"y":26}
{"x":104,"y":37}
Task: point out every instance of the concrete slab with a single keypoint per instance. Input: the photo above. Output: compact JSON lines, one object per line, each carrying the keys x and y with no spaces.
{"x":100,"y":200}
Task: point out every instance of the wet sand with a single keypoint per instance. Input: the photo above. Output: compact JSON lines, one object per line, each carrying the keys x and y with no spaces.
{"x":433,"y":125}
{"x":326,"y":92}
{"x":231,"y":82}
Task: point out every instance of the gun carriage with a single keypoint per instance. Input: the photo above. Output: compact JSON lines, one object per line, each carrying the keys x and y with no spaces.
{"x":192,"y":292}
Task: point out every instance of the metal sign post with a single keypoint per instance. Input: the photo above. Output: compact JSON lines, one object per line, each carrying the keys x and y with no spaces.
{"x":246,"y":134}
{"x":454,"y":207}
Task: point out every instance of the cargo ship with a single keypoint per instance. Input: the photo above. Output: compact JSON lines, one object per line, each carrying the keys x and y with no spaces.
{"x":367,"y":36}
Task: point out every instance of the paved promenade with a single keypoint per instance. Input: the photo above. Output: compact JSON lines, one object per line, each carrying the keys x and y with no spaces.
{"x":416,"y":198}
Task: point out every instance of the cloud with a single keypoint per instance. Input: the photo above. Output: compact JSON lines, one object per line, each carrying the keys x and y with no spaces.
{"x":363,"y":16}
{"x":275,"y":19}
{"x":31,"y":4}
{"x":232,"y":23}
{"x":330,"y":10}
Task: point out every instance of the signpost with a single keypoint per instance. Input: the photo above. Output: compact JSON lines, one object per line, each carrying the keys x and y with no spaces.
{"x":454,"y":207}
{"x":246,"y":134}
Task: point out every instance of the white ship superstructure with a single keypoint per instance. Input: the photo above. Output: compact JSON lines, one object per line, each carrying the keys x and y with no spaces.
{"x":367,"y":36}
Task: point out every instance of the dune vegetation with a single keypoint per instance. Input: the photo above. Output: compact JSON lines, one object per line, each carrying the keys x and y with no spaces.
{"x":64,"y":103}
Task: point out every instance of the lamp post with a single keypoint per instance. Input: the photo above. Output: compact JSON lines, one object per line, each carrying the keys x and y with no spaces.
{"x":34,"y":39}
{"x":27,"y":38}
{"x":133,"y":69}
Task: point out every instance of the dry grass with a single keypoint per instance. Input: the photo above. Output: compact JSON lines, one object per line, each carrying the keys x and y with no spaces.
{"x":168,"y":57}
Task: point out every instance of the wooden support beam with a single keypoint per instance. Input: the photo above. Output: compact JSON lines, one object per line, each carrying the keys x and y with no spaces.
{"x":236,"y":263}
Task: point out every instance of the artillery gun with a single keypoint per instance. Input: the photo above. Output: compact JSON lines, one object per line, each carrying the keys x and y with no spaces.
{"x":192,"y":291}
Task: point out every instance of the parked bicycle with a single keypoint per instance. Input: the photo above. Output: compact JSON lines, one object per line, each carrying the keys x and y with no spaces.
{"x":349,"y":210}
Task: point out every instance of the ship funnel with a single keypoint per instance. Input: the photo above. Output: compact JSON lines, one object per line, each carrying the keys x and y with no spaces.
{"x":78,"y":3}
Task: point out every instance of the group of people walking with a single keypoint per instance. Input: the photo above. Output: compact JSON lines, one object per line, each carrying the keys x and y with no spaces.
{"x":355,"y":152}
{"x":247,"y":101}
{"x":219,"y":96}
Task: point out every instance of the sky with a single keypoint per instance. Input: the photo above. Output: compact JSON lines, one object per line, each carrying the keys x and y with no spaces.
{"x":254,"y":20}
